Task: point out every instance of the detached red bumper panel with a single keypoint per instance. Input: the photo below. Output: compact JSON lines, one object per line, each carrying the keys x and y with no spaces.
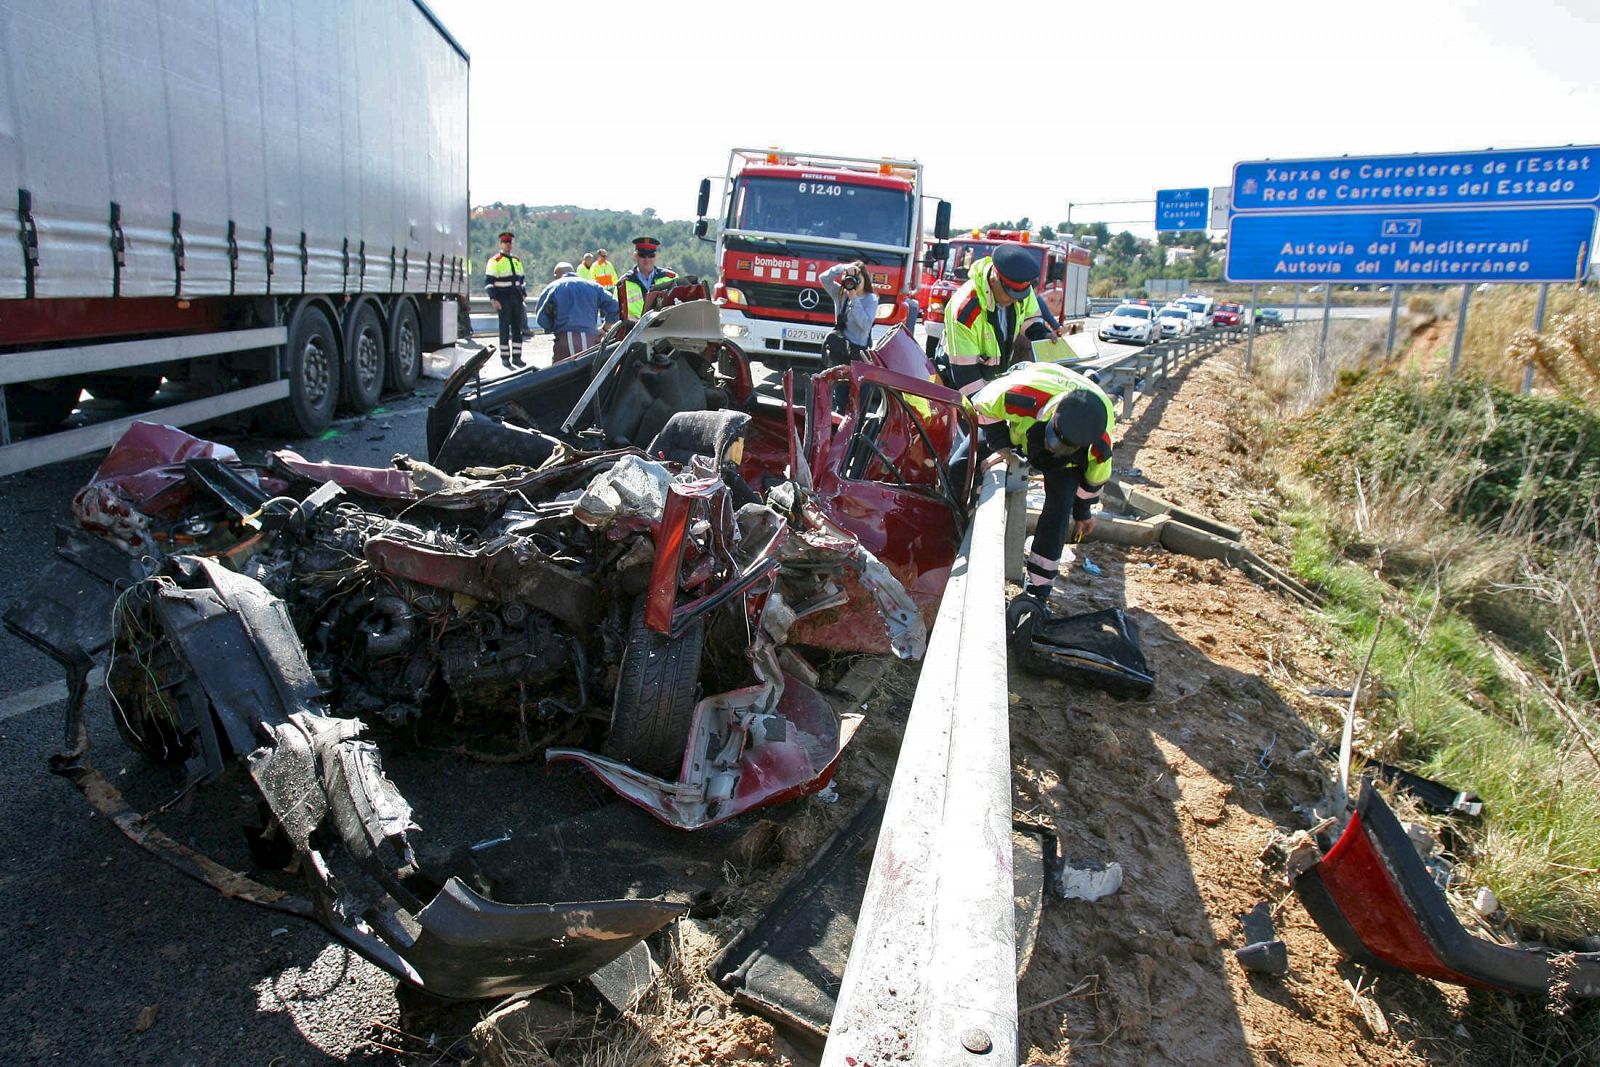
{"x":1373,"y":898}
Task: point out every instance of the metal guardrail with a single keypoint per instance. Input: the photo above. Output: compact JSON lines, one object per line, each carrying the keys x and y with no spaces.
{"x":931,"y":976}
{"x":1127,"y":374}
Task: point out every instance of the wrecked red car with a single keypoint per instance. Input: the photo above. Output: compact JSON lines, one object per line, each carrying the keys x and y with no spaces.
{"x":646,"y":568}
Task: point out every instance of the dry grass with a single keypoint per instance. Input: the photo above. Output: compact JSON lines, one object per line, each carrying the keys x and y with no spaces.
{"x":1500,"y":343}
{"x":1294,"y":378}
{"x":1463,"y":514}
{"x":682,"y":1019}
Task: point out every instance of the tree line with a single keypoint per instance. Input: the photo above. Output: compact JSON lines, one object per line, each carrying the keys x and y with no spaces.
{"x":546,"y":235}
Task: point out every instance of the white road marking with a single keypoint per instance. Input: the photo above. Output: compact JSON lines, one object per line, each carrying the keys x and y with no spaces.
{"x":41,"y":696}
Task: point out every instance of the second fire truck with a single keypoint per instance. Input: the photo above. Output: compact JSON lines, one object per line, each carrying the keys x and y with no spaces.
{"x":1062,"y":284}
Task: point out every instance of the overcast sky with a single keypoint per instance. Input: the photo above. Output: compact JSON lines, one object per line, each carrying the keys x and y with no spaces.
{"x":627,"y":106}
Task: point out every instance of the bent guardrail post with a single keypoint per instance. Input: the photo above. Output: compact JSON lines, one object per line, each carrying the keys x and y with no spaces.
{"x":931,"y":977}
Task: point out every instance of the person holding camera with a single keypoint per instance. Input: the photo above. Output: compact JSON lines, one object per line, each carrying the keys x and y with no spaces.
{"x":855,"y":308}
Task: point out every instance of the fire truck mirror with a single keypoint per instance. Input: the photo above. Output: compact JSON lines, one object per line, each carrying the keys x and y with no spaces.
{"x":700,"y":229}
{"x":1058,"y":271}
{"x":938,"y":253}
{"x":941,"y":221}
{"x":702,"y":204}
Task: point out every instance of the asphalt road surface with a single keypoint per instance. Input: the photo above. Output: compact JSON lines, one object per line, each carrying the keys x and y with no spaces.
{"x":112,"y":957}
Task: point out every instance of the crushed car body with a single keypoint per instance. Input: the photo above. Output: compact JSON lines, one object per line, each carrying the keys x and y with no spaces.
{"x":286,"y":620}
{"x":1373,"y":897}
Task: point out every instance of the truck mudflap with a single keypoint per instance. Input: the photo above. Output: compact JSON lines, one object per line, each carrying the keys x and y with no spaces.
{"x":234,"y":678}
{"x":1373,"y":897}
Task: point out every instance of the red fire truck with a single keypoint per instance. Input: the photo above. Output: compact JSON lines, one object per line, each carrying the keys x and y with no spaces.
{"x":1063,"y":282}
{"x":788,"y":216}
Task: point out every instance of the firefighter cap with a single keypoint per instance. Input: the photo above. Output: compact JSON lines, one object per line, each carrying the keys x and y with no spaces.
{"x":1080,"y":419}
{"x":506,"y":236}
{"x":1016,"y":268}
{"x":646,"y":245}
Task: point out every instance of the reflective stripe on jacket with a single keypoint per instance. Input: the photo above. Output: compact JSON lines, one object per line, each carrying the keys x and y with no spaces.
{"x":969,"y":333}
{"x":1028,"y":394}
{"x":503,"y":273}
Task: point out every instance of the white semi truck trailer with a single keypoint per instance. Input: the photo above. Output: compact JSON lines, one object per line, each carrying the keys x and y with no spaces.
{"x":216,"y":206}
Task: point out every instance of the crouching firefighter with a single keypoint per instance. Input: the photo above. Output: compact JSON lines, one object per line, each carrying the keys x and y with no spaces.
{"x":1062,"y":423}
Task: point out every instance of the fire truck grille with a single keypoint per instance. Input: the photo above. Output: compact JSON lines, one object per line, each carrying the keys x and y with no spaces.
{"x":784,"y":297}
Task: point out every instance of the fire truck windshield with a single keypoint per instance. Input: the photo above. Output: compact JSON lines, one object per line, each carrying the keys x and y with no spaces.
{"x":866,"y":213}
{"x":965,"y":253}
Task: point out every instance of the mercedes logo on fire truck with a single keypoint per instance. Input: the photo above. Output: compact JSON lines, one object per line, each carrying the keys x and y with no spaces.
{"x":810,"y":299}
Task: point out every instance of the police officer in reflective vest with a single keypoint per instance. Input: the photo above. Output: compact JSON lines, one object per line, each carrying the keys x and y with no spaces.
{"x":1061,"y":422}
{"x":993,"y":318}
{"x":644,"y":276}
{"x":507,"y":288}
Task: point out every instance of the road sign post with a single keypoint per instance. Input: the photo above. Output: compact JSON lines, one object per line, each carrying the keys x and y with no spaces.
{"x":1538,"y":328}
{"x":1327,"y":313}
{"x":1250,"y":338}
{"x":1394,"y":316}
{"x":1461,"y":328}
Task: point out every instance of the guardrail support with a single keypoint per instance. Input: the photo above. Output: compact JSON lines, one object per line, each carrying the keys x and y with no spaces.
{"x":931,"y":978}
{"x":1016,"y":517}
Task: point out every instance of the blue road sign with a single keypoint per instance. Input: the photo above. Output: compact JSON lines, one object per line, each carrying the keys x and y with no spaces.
{"x":1545,"y":244}
{"x":1182,"y":209}
{"x":1497,"y":177}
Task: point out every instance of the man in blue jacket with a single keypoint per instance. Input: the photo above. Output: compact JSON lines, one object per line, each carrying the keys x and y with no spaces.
{"x":570,"y":307}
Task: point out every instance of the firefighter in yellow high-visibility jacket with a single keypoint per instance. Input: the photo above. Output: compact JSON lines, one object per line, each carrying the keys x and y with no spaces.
{"x":993,"y":319}
{"x":503,"y":280}
{"x":1061,"y":422}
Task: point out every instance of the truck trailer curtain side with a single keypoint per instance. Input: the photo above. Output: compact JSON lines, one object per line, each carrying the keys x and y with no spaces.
{"x":187,"y":167}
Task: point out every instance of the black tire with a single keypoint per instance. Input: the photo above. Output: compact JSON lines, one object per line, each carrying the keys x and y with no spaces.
{"x":133,"y":389}
{"x":657,"y":687}
{"x":366,"y":358}
{"x":405,"y":347}
{"x":43,"y":405}
{"x":312,"y":363}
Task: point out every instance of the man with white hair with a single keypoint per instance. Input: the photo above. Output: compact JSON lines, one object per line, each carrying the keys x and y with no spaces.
{"x":569,"y":307}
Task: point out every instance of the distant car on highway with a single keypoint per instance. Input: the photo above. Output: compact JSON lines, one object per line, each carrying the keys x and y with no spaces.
{"x":1130,"y":322}
{"x":1199,"y":309}
{"x":1268,"y":316}
{"x":1228,"y":315}
{"x":1174,"y":321}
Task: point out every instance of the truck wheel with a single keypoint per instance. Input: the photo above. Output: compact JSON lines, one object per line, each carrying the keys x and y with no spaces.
{"x":134,"y":389}
{"x":312,"y":365}
{"x":405,"y":348}
{"x":44,"y":405}
{"x":656,"y":690}
{"x":366,"y":358}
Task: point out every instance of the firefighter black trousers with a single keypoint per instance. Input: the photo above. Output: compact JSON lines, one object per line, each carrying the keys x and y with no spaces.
{"x":513,"y":324}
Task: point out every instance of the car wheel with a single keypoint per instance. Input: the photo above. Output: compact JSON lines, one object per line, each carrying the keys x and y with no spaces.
{"x":366,"y":358}
{"x":657,"y":686}
{"x":312,"y":366}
